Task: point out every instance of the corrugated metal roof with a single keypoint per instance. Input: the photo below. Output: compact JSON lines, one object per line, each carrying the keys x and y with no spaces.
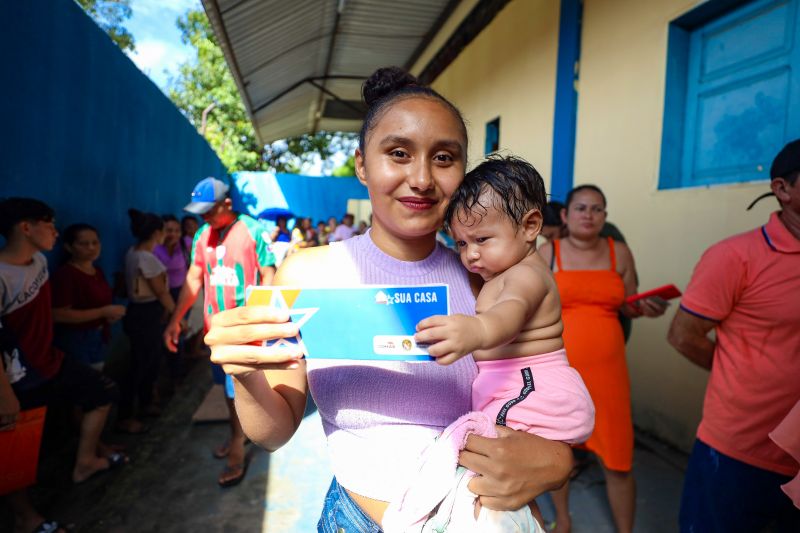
{"x":289,"y":57}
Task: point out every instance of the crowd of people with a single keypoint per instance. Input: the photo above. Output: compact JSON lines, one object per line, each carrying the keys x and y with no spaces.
{"x":56,"y":329}
{"x":530,"y":364}
{"x":285,"y":242}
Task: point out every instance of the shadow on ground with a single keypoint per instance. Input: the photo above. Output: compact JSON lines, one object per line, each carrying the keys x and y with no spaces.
{"x":171,"y":483}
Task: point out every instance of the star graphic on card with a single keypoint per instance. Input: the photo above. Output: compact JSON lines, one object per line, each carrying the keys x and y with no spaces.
{"x":298,"y":316}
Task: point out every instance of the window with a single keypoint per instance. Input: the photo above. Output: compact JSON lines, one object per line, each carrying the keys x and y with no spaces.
{"x":733,"y":92}
{"x":492,"y":136}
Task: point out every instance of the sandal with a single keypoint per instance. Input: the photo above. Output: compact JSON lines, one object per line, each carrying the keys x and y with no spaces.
{"x":133,"y":427}
{"x":52,"y":526}
{"x":115,"y":460}
{"x":223,"y":450}
{"x":238,"y":469}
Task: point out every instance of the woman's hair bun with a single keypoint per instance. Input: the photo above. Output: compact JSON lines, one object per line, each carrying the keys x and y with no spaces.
{"x":143,"y":225}
{"x":135,"y":215}
{"x":385,"y":81}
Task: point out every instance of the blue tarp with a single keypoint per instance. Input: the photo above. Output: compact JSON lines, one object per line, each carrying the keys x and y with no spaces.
{"x":305,"y":196}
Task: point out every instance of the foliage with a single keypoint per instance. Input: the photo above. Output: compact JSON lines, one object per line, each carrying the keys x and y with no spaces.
{"x":296,"y":153}
{"x":348,"y":168}
{"x":207,"y":80}
{"x":110,"y":15}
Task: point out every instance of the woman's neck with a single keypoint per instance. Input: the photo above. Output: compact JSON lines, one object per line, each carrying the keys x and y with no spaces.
{"x":146,"y":246}
{"x":83,"y":265}
{"x":411,"y":249}
{"x":170,"y":247}
{"x":582,"y":243}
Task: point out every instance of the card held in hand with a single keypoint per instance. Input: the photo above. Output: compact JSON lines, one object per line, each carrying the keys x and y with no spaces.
{"x":374,"y":322}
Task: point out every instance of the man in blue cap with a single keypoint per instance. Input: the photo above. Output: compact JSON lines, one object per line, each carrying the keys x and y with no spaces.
{"x":229,"y":252}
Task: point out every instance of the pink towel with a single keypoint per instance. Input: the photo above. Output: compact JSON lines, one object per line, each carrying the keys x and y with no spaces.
{"x":436,"y":474}
{"x":787,"y":436}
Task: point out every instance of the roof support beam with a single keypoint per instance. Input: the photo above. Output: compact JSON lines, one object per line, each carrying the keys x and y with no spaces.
{"x":480,"y":17}
{"x":301,"y":82}
{"x":328,"y":61}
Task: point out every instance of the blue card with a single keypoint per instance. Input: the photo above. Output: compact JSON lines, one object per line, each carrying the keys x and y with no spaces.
{"x":366,"y":322}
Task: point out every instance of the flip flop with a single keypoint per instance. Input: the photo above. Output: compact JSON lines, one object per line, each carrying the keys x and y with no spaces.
{"x":115,"y":461}
{"x":223,"y":450}
{"x":144,"y":428}
{"x":240,"y":469}
{"x":52,"y":526}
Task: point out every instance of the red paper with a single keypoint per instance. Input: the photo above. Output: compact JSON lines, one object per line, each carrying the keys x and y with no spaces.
{"x":666,"y":292}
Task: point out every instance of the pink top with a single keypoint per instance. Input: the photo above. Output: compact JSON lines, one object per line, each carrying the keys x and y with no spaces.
{"x":380,"y":415}
{"x":750,"y":285}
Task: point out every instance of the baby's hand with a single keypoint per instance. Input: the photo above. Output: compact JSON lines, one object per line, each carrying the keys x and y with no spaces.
{"x":450,"y":337}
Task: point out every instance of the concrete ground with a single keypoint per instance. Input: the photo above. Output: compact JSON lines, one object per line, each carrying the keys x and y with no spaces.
{"x":170,"y":485}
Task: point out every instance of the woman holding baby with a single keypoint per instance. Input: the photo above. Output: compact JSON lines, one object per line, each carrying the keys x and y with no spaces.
{"x":379,"y":416}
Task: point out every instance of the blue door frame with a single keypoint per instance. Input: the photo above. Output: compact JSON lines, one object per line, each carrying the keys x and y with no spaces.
{"x":566,"y":105}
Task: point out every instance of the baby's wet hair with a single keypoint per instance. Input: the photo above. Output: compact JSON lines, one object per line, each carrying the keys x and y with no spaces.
{"x":515,"y":185}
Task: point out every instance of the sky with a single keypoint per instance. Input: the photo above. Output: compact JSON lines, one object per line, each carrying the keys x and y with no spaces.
{"x":159,"y":49}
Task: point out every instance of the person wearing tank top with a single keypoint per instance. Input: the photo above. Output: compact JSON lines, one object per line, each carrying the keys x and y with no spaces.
{"x":378,"y":416}
{"x":594,"y":276}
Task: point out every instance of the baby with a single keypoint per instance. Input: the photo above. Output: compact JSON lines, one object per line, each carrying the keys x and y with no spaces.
{"x":524,"y":379}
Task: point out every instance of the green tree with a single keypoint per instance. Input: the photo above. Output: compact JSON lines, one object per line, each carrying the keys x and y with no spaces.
{"x":348,"y":168}
{"x":296,"y":153}
{"x":110,"y":15}
{"x":206,"y":81}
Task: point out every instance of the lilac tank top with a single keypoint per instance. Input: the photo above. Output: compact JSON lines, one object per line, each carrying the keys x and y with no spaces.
{"x":379,"y":415}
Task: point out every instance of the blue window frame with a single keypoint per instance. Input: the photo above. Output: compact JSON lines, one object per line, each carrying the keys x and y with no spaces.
{"x":492,"y":136}
{"x":733,"y":92}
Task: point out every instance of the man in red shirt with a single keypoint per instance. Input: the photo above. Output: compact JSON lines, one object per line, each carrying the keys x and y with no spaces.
{"x":34,"y":372}
{"x":747,"y":289}
{"x":229,"y":253}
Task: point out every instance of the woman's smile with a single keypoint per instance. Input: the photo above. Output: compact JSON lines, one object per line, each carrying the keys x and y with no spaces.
{"x":417,"y":203}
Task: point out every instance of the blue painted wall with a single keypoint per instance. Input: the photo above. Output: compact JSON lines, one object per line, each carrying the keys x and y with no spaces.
{"x":84,"y":130}
{"x":318,"y":197}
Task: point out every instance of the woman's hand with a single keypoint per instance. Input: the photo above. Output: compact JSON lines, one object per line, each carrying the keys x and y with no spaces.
{"x":515,"y":468}
{"x":649,"y":307}
{"x":236,"y":338}
{"x":112,"y":313}
{"x":653,"y":307}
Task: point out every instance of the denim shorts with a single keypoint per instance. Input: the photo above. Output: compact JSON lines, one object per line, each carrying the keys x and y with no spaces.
{"x":342,"y":514}
{"x":221,"y":378}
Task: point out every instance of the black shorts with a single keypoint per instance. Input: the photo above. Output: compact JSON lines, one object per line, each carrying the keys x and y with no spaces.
{"x":75,"y":384}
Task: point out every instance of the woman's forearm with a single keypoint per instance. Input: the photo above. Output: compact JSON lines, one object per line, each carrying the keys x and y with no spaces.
{"x":159,"y":287}
{"x":269,"y":417}
{"x":67,"y":315}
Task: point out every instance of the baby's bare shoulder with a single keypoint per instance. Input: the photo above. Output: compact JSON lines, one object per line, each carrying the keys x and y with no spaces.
{"x":532,"y":269}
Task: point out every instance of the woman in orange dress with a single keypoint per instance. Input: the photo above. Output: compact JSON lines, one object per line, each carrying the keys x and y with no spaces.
{"x":594,"y":276}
